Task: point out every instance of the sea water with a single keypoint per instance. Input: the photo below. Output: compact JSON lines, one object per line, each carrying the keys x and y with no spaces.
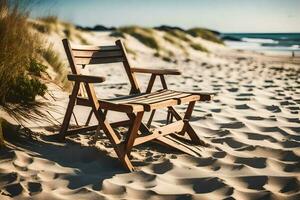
{"x":269,"y":43}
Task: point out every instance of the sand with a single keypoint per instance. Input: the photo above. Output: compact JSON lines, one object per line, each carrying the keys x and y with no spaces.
{"x":252,"y":126}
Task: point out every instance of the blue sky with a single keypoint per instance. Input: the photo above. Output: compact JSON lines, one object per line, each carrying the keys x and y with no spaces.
{"x":221,"y":15}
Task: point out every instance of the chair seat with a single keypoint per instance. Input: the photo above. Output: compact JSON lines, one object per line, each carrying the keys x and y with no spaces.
{"x":151,"y":101}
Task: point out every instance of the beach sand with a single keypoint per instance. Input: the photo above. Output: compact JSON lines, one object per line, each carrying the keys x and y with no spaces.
{"x":252,"y":126}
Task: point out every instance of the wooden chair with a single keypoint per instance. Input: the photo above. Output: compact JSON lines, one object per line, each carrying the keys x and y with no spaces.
{"x":134,"y":105}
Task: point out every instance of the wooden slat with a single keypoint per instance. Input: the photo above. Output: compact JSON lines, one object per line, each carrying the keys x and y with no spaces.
{"x":143,"y":96}
{"x":147,"y":102}
{"x":151,"y":100}
{"x":96,"y":54}
{"x":156,"y":71}
{"x":95,"y":48}
{"x":85,"y":78}
{"x":127,"y":108}
{"x":88,"y":61}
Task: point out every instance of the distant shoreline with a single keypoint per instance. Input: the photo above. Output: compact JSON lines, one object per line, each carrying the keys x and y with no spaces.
{"x":285,"y":44}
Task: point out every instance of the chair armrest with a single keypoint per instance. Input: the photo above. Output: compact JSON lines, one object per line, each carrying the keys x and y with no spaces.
{"x":86,"y":78}
{"x":156,"y":71}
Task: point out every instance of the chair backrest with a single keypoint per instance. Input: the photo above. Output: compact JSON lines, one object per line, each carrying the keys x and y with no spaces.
{"x":81,"y":55}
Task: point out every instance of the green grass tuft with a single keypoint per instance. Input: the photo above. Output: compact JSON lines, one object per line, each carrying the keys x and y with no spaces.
{"x":198,"y":47}
{"x":25,"y":89}
{"x":35,"y":68}
{"x":205,"y":34}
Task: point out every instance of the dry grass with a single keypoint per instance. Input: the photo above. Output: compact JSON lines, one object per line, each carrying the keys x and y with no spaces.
{"x":180,"y":35}
{"x":53,"y":59}
{"x":18,"y":45}
{"x":144,"y":35}
{"x":175,"y":41}
{"x":51,"y":19}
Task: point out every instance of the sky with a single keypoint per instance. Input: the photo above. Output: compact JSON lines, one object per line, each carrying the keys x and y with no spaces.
{"x":221,"y":15}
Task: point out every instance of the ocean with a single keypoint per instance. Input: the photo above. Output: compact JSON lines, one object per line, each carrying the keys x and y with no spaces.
{"x":269,"y":43}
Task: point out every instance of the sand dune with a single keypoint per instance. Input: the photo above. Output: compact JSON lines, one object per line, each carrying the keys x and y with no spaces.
{"x":252,"y":127}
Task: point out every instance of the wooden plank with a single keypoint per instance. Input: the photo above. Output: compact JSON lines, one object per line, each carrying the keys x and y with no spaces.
{"x":170,"y":102}
{"x":85,"y":78}
{"x":89,"y":61}
{"x":97,"y":54}
{"x":94,"y":48}
{"x":142,"y":97}
{"x":161,"y":131}
{"x":161,"y":98}
{"x":128,"y":108}
{"x":136,"y":97}
{"x":156,"y":71}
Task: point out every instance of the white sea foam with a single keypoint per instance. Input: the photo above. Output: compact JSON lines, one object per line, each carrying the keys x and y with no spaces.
{"x":260,"y":40}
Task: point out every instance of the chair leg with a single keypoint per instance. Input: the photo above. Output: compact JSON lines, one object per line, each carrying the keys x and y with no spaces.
{"x":69,"y":111}
{"x":133,"y":131}
{"x":187,"y":128}
{"x":112,"y":136}
{"x":89,"y":118}
{"x":108,"y":130}
{"x":150,"y":119}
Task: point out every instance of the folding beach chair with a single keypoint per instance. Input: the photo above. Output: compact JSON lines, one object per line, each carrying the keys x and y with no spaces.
{"x":134,"y":105}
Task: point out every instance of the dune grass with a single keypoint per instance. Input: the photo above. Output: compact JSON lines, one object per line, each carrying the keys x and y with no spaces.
{"x":205,"y":34}
{"x":46,"y":24}
{"x":53,"y":59}
{"x":117,"y":34}
{"x":173,"y":36}
{"x":180,"y":35}
{"x":51,"y":19}
{"x":19,"y":46}
{"x":144,"y":35}
{"x":198,"y":47}
{"x":173,"y":40}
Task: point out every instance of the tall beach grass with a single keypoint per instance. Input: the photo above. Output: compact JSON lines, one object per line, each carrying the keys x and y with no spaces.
{"x":18,"y":47}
